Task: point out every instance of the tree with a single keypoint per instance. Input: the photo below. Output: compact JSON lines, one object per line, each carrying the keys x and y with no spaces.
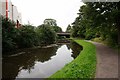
{"x":25,"y":36}
{"x":56,"y":29}
{"x":46,"y":34}
{"x":75,"y":27}
{"x":105,"y":20}
{"x":50,"y":22}
{"x":28,"y":36}
{"x":98,"y":20}
{"x":9,"y":33}
{"x":68,"y":28}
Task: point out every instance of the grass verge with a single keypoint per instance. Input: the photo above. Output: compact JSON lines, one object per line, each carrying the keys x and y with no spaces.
{"x":84,"y":66}
{"x":107,"y":43}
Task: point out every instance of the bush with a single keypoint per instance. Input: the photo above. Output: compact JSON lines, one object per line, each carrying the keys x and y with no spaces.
{"x":24,"y":37}
{"x":112,"y":39}
{"x":27,"y":36}
{"x":9,"y":33}
{"x":90,"y":34}
{"x":46,"y":34}
{"x":56,"y":28}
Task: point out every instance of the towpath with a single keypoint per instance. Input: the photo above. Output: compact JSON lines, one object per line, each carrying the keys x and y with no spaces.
{"x":107,"y":61}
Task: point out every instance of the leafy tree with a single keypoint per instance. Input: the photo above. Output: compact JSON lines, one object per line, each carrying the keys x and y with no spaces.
{"x":9,"y":33}
{"x":75,"y":28}
{"x":27,"y":36}
{"x":46,"y":34}
{"x":98,"y":20}
{"x":56,"y":29}
{"x":68,"y":28}
{"x":50,"y":22}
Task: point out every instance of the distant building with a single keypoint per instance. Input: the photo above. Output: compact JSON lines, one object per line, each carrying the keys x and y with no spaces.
{"x":10,"y":11}
{"x":50,"y":22}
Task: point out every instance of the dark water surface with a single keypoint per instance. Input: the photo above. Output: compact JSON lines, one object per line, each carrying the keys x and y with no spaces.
{"x":39,"y":63}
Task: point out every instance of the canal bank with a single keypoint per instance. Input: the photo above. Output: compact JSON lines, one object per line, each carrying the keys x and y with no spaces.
{"x":84,"y":66}
{"x":39,"y":62}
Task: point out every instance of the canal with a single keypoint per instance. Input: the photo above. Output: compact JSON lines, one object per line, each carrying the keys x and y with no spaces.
{"x":39,"y":62}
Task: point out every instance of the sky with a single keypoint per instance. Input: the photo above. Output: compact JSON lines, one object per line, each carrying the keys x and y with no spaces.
{"x":36,"y":11}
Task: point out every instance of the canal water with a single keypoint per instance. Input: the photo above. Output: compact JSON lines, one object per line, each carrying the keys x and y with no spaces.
{"x":40,"y":62}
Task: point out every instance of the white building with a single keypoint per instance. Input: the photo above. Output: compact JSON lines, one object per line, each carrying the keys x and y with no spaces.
{"x":16,"y":15}
{"x":10,"y":11}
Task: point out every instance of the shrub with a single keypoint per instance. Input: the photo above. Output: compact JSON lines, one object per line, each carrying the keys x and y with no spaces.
{"x":46,"y":34}
{"x":9,"y":33}
{"x":27,"y":36}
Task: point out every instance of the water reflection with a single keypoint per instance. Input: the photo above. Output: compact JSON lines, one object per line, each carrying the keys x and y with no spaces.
{"x":76,"y":49}
{"x":12,"y":65}
{"x":39,"y":63}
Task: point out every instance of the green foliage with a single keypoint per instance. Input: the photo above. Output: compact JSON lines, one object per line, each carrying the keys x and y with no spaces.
{"x":75,"y":28}
{"x":68,"y":28}
{"x":50,"y":22}
{"x":90,"y":34}
{"x":56,"y":29}
{"x":46,"y":34}
{"x":84,"y":66}
{"x":9,"y":33}
{"x":98,"y":20}
{"x":25,"y":36}
{"x":53,"y":25}
{"x":13,"y":38}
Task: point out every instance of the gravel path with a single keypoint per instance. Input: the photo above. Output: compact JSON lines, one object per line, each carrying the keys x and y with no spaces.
{"x":107,"y":61}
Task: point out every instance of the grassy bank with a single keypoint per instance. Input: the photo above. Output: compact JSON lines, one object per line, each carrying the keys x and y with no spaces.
{"x":107,"y":43}
{"x":83,"y":66}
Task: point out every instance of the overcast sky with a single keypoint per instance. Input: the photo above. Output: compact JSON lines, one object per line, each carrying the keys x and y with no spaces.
{"x":36,"y":11}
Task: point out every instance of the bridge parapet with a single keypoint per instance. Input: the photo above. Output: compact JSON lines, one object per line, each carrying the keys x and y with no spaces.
{"x":63,"y":33}
{"x":67,"y":35}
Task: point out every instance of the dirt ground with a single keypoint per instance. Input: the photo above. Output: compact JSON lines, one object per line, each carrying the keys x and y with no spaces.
{"x":107,"y":61}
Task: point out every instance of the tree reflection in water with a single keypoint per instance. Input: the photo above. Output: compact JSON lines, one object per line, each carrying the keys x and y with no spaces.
{"x":76,"y":48}
{"x":12,"y":66}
